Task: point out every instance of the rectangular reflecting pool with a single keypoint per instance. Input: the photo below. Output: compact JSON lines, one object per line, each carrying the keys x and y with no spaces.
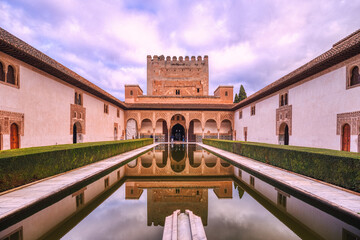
{"x":133,"y":200}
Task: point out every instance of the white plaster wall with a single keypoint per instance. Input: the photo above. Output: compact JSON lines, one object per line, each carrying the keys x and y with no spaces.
{"x":99,"y":125}
{"x":261,"y":127}
{"x":315,"y":105}
{"x":46,"y":122}
{"x":45,"y":103}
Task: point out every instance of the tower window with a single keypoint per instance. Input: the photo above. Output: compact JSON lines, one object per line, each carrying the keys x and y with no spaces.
{"x":177,"y":92}
{"x":226,"y":93}
{"x":198,"y":90}
{"x":131,"y":92}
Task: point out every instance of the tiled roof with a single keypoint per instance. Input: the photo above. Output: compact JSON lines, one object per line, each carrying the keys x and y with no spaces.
{"x":342,"y":50}
{"x":19,"y":49}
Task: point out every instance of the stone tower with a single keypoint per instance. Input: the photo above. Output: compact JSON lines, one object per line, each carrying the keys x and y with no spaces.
{"x":177,"y":77}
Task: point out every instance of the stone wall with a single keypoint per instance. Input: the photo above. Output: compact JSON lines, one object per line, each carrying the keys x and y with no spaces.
{"x":189,"y":76}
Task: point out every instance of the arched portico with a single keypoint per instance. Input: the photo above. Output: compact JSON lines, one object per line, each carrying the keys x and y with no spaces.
{"x":195,"y":131}
{"x":178,"y":131}
{"x":131,"y":129}
{"x":210,"y":129}
{"x":161,"y":131}
{"x":225,"y":131}
{"x":146,"y":129}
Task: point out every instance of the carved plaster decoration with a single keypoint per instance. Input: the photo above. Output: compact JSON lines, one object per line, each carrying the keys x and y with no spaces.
{"x":351,"y":118}
{"x":284,"y":115}
{"x":77,"y":115}
{"x":7,"y":118}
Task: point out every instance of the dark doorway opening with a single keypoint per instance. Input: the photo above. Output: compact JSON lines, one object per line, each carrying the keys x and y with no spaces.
{"x":286,"y":135}
{"x":178,"y":133}
{"x":74,"y":133}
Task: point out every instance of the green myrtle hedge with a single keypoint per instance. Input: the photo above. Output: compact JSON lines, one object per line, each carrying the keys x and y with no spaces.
{"x":336,"y":167}
{"x":25,"y":165}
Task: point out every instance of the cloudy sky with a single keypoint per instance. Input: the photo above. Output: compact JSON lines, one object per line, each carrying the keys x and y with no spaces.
{"x":248,"y":42}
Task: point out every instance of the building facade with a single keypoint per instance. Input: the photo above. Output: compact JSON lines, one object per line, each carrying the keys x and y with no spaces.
{"x":45,"y":103}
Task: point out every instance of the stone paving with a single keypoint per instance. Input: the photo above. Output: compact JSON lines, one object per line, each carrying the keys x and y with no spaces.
{"x":336,"y":196}
{"x":20,"y":198}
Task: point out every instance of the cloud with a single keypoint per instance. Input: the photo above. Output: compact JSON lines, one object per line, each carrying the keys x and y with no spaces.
{"x":249,"y":43}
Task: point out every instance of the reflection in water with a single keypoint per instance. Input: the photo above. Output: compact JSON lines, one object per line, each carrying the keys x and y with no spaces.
{"x":171,"y":177}
{"x":164,"y":197}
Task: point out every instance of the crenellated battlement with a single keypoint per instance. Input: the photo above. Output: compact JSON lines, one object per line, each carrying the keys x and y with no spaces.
{"x":177,"y":76}
{"x":177,"y":60}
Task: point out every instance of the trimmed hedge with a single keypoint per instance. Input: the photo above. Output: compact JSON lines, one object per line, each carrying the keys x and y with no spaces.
{"x":336,"y":167}
{"x":25,"y":165}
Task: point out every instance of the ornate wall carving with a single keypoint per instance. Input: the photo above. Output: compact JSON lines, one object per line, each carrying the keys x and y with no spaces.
{"x":7,"y":118}
{"x":77,"y":114}
{"x":351,"y":118}
{"x":284,"y":115}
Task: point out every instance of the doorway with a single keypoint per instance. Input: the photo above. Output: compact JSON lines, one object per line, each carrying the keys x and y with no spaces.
{"x":74,"y":133}
{"x":178,"y":133}
{"x":14,"y":136}
{"x":284,"y":134}
{"x":345,"y":138}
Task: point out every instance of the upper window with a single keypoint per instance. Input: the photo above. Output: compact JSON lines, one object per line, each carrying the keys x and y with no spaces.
{"x":283,"y":99}
{"x":226,"y":93}
{"x":252,"y":110}
{"x":2,"y":73}
{"x":118,"y":113}
{"x":177,"y":92}
{"x":78,"y":98}
{"x":198,"y":90}
{"x":10,"y":75}
{"x":355,"y":76}
{"x":131,"y":92}
{"x":106,"y":108}
{"x":240,"y":114}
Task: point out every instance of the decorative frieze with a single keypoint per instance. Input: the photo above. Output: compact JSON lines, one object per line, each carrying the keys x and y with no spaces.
{"x":284,"y":115}
{"x":77,"y":115}
{"x":7,"y":118}
{"x":351,"y":118}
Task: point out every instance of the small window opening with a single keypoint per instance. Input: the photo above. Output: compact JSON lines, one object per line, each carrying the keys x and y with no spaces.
{"x":198,"y":90}
{"x":118,"y":175}
{"x":11,"y":75}
{"x":177,"y":190}
{"x":226,"y":93}
{"x":131,"y":92}
{"x":106,"y":182}
{"x":80,"y":200}
{"x":252,"y":181}
{"x":118,"y":113}
{"x":2,"y":73}
{"x":240,"y":114}
{"x":281,"y":200}
{"x":240,"y":173}
{"x":177,"y":92}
